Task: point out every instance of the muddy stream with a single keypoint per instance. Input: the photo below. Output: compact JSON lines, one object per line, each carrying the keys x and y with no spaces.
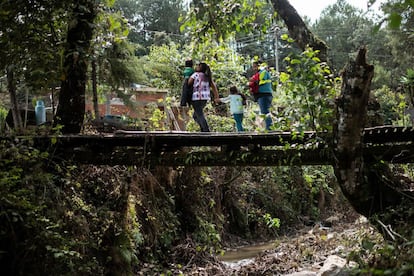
{"x":235,"y":258}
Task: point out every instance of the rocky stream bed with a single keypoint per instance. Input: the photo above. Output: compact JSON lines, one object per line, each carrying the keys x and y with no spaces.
{"x":310,"y":250}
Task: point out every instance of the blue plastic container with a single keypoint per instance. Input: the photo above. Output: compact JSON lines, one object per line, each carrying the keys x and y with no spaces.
{"x":40,"y":112}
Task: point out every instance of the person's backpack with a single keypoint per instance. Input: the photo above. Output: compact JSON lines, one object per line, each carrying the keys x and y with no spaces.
{"x":254,"y":84}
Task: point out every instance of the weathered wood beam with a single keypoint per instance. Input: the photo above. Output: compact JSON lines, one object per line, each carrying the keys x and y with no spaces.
{"x":224,"y":156}
{"x":167,"y":140}
{"x":139,"y":157}
{"x":166,"y":148}
{"x":214,"y":157}
{"x":173,"y":140}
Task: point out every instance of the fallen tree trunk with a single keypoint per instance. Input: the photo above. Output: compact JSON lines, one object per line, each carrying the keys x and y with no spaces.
{"x":373,"y":189}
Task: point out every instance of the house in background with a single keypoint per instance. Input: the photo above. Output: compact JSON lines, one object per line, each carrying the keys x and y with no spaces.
{"x":140,"y":106}
{"x":140,"y":98}
{"x":142,"y":101}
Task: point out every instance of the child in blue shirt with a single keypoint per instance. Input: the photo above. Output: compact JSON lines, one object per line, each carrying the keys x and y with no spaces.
{"x":237,"y":101}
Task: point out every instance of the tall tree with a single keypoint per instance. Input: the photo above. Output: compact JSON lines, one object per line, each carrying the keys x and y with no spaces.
{"x":14,"y":105}
{"x":30,"y":35}
{"x":345,"y":28}
{"x":71,"y":109}
{"x":152,"y":21}
{"x":400,"y":41}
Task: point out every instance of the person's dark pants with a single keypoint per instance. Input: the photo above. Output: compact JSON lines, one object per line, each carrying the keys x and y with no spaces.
{"x":199,"y":115}
{"x":186,"y":94}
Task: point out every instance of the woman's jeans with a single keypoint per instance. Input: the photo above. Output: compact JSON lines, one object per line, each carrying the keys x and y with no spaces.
{"x":265,"y":102}
{"x":199,"y":114}
{"x":239,"y":121}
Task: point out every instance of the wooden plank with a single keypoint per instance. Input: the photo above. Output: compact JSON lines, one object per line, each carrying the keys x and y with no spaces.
{"x":177,"y":148}
{"x":177,"y":139}
{"x":234,"y":157}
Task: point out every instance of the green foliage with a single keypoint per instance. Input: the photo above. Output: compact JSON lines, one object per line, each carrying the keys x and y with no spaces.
{"x":385,"y":259}
{"x":307,"y":94}
{"x":399,"y":38}
{"x":30,"y":225}
{"x":271,"y":222}
{"x":382,"y":76}
{"x":220,"y":123}
{"x":319,"y":181}
{"x":31,"y":42}
{"x":227,"y":66}
{"x":352,"y":28}
{"x":398,"y":13}
{"x":134,"y":227}
{"x":268,"y":198}
{"x":207,"y":237}
{"x":157,"y":120}
{"x":221,"y":19}
{"x":114,"y":54}
{"x":164,"y":65}
{"x":408,"y":79}
{"x":408,"y":85}
{"x":393,"y":106}
{"x":318,"y":178}
{"x":149,"y":24}
{"x":3,"y":114}
{"x":71,"y":221}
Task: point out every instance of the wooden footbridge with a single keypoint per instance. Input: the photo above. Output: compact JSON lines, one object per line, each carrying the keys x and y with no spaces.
{"x":171,"y":148}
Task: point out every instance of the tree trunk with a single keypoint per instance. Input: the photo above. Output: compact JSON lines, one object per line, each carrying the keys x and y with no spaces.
{"x":373,"y":189}
{"x":298,"y":29}
{"x":14,"y":105}
{"x":71,"y":109}
{"x":95,"y":90}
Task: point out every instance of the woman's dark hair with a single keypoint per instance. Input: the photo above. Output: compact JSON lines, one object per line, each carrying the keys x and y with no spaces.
{"x":206,"y":70}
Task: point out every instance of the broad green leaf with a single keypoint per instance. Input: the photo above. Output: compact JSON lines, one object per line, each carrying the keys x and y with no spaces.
{"x":284,"y":36}
{"x":395,"y":20}
{"x":284,"y":77}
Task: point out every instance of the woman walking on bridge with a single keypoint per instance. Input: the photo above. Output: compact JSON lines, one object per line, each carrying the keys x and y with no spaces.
{"x":202,"y":81}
